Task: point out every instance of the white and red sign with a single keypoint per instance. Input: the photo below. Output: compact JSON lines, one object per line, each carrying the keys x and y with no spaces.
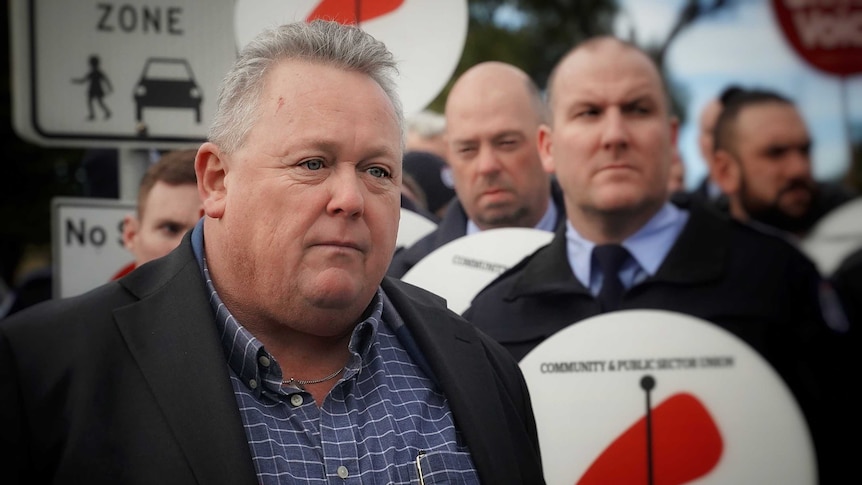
{"x":649,"y":396}
{"x":457,"y":271}
{"x":426,"y":38}
{"x":826,"y":33}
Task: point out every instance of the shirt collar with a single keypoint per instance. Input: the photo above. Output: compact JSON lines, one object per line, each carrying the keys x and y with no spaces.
{"x":548,"y":221}
{"x":648,"y":246}
{"x":246,"y":355}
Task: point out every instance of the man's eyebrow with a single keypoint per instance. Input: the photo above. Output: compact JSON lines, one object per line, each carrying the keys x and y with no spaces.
{"x":508,"y":133}
{"x":464,"y":141}
{"x":642,"y":98}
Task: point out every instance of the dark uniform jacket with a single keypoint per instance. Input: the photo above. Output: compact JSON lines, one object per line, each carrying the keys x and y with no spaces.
{"x":451,"y":227}
{"x":128,"y":384}
{"x":755,"y":285}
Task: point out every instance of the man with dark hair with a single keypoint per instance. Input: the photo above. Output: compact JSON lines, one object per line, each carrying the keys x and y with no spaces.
{"x":168,"y":206}
{"x":707,"y":190}
{"x":762,"y":159}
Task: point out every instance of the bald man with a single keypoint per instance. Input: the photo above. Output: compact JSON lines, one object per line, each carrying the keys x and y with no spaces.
{"x":493,"y":114}
{"x":610,"y":140}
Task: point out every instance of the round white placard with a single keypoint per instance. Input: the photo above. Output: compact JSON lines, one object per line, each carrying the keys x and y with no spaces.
{"x":458,"y":270}
{"x":412,"y":228}
{"x":426,"y":38}
{"x":835,"y":236}
{"x":625,"y":395}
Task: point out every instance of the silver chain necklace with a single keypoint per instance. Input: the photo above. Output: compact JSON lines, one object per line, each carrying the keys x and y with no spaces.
{"x":302,"y":383}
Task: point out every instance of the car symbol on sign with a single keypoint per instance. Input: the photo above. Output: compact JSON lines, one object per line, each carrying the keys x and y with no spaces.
{"x":167,"y":83}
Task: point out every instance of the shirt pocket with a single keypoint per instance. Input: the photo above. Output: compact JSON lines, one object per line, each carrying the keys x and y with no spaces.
{"x":445,"y":467}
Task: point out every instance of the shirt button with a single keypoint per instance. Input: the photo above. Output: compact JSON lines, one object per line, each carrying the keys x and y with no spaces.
{"x":252,"y":384}
{"x":342,"y":471}
{"x":296,"y":400}
{"x":264,"y":361}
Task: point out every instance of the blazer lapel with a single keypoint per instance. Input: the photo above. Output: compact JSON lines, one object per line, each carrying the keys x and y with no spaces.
{"x":172,"y":336}
{"x":460,"y":363}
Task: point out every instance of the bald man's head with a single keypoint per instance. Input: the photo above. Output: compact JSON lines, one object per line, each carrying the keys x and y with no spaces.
{"x":493,"y":113}
{"x":497,"y":78}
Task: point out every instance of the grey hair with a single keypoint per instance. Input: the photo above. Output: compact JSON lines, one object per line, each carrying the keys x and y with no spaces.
{"x":427,"y":124}
{"x":326,"y":42}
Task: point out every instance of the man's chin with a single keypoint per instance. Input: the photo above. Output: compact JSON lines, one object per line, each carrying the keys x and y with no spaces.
{"x":774,"y":217}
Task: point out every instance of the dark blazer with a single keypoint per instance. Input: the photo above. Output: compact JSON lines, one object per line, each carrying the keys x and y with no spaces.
{"x":753,"y":284}
{"x":451,"y":227}
{"x":128,"y":384}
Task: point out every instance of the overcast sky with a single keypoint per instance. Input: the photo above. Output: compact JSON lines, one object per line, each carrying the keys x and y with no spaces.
{"x":745,"y":45}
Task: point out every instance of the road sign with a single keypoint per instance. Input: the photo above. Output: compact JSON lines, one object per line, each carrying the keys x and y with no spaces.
{"x":87,"y":242}
{"x":827,"y":34}
{"x":140,"y":74}
{"x":128,"y":72}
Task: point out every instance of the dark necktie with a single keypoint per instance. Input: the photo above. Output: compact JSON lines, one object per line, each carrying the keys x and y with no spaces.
{"x":610,"y":258}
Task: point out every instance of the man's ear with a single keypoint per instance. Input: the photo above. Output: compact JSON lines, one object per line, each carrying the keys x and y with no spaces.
{"x":130,"y":230}
{"x":545,"y":143}
{"x":725,"y":172}
{"x":211,"y":171}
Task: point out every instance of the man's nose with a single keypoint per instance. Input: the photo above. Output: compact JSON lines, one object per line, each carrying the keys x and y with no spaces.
{"x":615,"y":131}
{"x":488,"y":160}
{"x":347,"y":192}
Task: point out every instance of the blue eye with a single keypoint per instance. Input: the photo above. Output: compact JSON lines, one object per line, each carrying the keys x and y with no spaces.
{"x":313,"y":164}
{"x":378,"y":172}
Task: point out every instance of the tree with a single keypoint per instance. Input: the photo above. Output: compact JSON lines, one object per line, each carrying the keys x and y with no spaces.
{"x":546,"y":29}
{"x":543,"y":31}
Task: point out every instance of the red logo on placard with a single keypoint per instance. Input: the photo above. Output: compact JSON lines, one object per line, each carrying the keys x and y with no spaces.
{"x":826,"y":33}
{"x":352,"y":11}
{"x":680,"y":444}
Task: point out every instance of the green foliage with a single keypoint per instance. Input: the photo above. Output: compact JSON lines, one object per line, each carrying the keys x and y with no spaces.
{"x":549,"y":29}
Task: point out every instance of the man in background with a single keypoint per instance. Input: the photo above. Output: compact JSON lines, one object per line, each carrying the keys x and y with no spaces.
{"x":493,"y":113}
{"x":426,"y":133}
{"x":625,"y":245}
{"x":762,"y":162}
{"x":168,"y":206}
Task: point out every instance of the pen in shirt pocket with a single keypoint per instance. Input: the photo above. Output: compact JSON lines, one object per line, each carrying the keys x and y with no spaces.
{"x":419,"y":458}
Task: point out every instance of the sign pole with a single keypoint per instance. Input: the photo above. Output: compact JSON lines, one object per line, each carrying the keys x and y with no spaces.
{"x":132,"y":163}
{"x":845,"y":115}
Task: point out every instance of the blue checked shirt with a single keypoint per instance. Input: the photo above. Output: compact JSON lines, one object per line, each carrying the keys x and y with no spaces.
{"x":382,"y":422}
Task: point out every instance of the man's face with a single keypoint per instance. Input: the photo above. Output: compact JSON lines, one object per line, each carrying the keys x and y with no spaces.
{"x":311,"y":199}
{"x":491,"y":127}
{"x":773,"y":151}
{"x":612,"y":139}
{"x":169,"y":212}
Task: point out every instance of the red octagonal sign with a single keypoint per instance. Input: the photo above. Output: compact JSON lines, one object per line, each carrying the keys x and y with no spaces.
{"x":826,"y":33}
